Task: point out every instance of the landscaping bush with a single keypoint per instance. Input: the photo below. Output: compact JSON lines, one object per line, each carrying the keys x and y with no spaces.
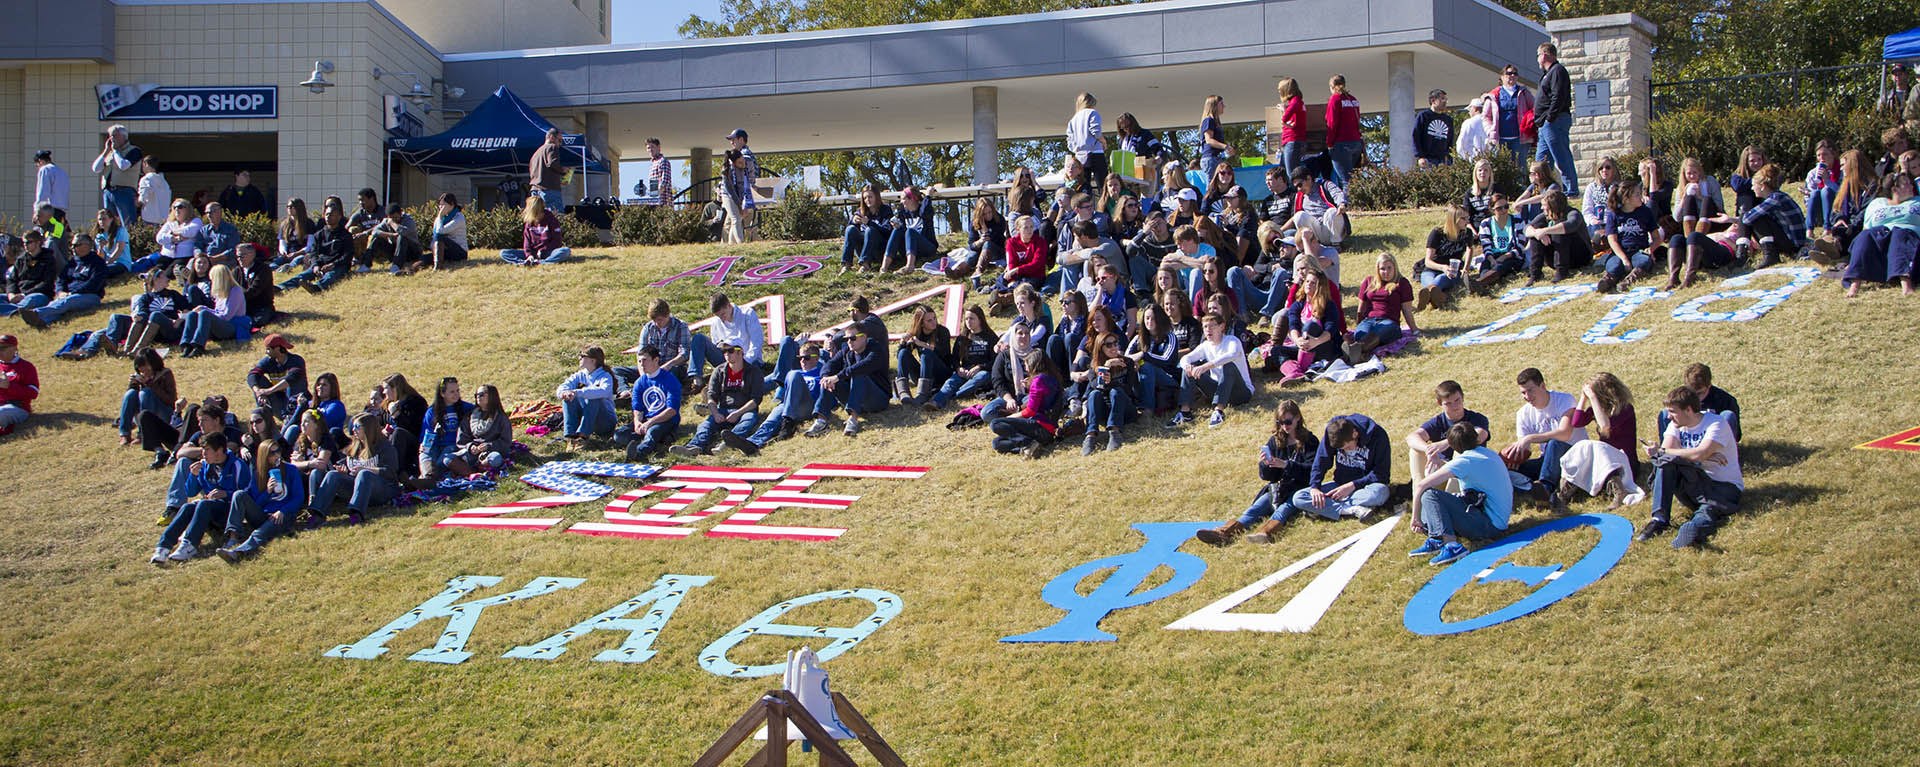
{"x":652,"y":225}
{"x":1787,"y":134}
{"x":495,"y":228}
{"x":800,"y":216}
{"x":1383,"y":187}
{"x":140,"y":239}
{"x":256,"y":228}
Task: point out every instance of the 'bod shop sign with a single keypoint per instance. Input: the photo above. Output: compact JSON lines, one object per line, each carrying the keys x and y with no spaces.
{"x":240,"y":101}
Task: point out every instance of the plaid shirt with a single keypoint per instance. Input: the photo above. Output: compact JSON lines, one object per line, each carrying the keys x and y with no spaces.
{"x":671,"y":341}
{"x":661,"y":181}
{"x":1784,"y":212}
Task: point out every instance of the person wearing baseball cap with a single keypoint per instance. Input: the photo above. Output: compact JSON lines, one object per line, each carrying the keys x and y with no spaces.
{"x":586,"y":399}
{"x":733,"y":406}
{"x":19,"y":385}
{"x":279,"y":379}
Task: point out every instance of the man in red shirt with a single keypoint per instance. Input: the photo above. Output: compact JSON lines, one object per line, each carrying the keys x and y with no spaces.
{"x":19,"y":384}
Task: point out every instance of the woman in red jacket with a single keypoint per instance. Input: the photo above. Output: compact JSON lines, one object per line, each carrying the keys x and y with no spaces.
{"x":1026,"y":261}
{"x":1293,"y":123}
{"x":540,"y":237}
{"x":1343,"y":130}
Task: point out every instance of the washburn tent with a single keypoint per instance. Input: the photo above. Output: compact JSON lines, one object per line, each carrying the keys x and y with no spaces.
{"x":1905,"y":45}
{"x":497,"y":138}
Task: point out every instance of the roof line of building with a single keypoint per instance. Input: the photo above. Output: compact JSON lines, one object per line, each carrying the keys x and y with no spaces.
{"x":375,"y":3}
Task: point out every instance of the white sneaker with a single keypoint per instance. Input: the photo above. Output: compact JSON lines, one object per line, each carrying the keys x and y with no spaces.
{"x":159,"y":555}
{"x":183,"y":552}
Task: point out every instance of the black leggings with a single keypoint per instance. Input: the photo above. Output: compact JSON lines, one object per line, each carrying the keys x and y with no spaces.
{"x":1769,"y":235}
{"x":155,"y":432}
{"x":1566,"y":254}
{"x":1013,"y":433}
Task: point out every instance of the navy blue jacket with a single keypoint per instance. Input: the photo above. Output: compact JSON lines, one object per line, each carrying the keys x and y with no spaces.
{"x":1370,"y":462}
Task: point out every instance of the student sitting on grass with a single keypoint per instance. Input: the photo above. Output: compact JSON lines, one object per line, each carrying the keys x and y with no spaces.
{"x":368,"y":471}
{"x":1315,"y":328}
{"x":1427,"y":446}
{"x":1713,"y":399}
{"x":1632,"y":229}
{"x":1035,"y":424}
{"x":1503,"y":251}
{"x":79,"y":288}
{"x":1386,"y":301}
{"x":1775,"y":221}
{"x":1109,"y":393}
{"x":215,"y":476}
{"x":1885,"y":250}
{"x":1026,"y":262}
{"x":913,"y":238}
{"x":1283,"y":465}
{"x":1607,"y":464}
{"x":1700,"y":217}
{"x":267,"y":508}
{"x":1156,"y":352}
{"x":656,"y":409}
{"x":986,"y":243}
{"x":795,"y":398}
{"x":1541,"y":420}
{"x":332,"y":257}
{"x":973,"y":353}
{"x":444,"y":430}
{"x":1481,"y":511}
{"x":150,"y":389}
{"x":1359,"y":454}
{"x":866,"y":236}
{"x":1009,"y":373}
{"x":736,"y":325}
{"x":1450,"y":247}
{"x":217,"y":322}
{"x":1217,"y":370}
{"x":1542,"y":179}
{"x":857,"y":376}
{"x":449,"y":239}
{"x":732,"y":407}
{"x":492,"y":443}
{"x":586,"y":399}
{"x":153,"y":317}
{"x":1697,"y":462}
{"x":925,"y":356}
{"x":1148,"y":248}
{"x":541,"y":238}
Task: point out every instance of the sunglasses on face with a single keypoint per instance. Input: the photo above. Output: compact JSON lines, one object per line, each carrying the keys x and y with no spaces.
{"x":1287,"y":422}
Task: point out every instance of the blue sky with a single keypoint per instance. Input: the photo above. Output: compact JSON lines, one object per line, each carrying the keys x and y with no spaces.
{"x":641,"y":21}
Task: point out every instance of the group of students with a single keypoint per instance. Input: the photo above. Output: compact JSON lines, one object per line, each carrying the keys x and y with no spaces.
{"x":1463,"y":489}
{"x":300,"y":450}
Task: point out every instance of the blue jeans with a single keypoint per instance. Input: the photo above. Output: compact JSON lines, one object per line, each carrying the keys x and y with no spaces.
{"x":1290,"y":156}
{"x":903,"y":240}
{"x":1522,"y":153}
{"x":653,"y":440}
{"x":1554,"y":146}
{"x":72,"y":302}
{"x":1264,"y":506}
{"x":1380,"y":330}
{"x":795,"y":402}
{"x":191,"y":523}
{"x":1618,"y":269}
{"x":365,"y":489}
{"x":1345,"y":156}
{"x":1546,"y":468}
{"x":1141,"y":270}
{"x":321,"y":280}
{"x":958,"y":387}
{"x":702,"y":352}
{"x":867,"y":242}
{"x":118,"y":326}
{"x":1111,"y":408}
{"x":1208,"y":161}
{"x":1233,"y":392}
{"x":12,"y":415}
{"x":519,"y":257}
{"x":707,"y":431}
{"x":202,"y":327}
{"x":135,"y":402}
{"x":244,"y":513}
{"x":913,"y":364}
{"x":1712,"y":501}
{"x":1428,"y":277}
{"x":582,"y":417}
{"x":556,"y":201}
{"x":1372,"y":496}
{"x":863,"y":396}
{"x":30,"y":301}
{"x":1153,"y":379}
{"x":121,"y":199}
{"x":785,"y":360}
{"x":1446,"y":514}
{"x":1267,"y":302}
{"x":1820,"y":207}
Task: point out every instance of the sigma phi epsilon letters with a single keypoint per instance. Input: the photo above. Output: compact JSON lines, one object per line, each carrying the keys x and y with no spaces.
{"x":1299,"y":615}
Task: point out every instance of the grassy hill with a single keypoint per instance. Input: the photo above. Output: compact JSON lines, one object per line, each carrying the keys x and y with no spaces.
{"x":1791,"y":640}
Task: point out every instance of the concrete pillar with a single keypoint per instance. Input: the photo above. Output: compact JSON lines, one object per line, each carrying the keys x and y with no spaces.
{"x":1400,"y":109}
{"x":601,"y":184}
{"x":1610,"y":56}
{"x":700,"y":168}
{"x":986,"y":134}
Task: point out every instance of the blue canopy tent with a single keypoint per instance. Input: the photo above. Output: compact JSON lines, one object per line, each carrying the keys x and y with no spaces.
{"x":497,"y":138}
{"x":1897,"y":47}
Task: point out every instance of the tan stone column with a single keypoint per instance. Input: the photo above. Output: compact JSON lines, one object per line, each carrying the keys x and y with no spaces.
{"x":1610,"y":56}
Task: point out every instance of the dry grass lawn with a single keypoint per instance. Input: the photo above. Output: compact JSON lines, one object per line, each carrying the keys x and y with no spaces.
{"x":1791,"y":640}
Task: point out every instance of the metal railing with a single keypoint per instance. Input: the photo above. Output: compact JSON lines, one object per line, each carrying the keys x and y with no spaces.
{"x":1845,"y":88}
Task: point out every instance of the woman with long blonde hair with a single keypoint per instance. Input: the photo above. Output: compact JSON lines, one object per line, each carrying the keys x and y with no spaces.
{"x":541,"y":237}
{"x":1450,"y":247}
{"x":1386,"y":300}
{"x":204,"y":323}
{"x":368,"y":471}
{"x":1214,"y":148}
{"x":1084,"y":138}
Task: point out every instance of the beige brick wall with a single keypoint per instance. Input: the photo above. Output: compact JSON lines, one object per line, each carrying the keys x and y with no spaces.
{"x":1619,"y":50}
{"x":329,"y":143}
{"x":17,"y":191}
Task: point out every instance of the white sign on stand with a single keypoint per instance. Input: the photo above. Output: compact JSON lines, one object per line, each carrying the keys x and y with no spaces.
{"x":1593,"y":99}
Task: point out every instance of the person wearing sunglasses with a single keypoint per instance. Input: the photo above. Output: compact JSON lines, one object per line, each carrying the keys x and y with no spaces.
{"x":1283,"y":464}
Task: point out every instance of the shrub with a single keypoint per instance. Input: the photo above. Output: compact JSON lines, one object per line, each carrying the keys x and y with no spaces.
{"x":651,"y":225}
{"x":140,"y":239}
{"x":800,"y":216}
{"x":1383,"y":187}
{"x":495,"y":228}
{"x":256,"y":228}
{"x":1787,"y":134}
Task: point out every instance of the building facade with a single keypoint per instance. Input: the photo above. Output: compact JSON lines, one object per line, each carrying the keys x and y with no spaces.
{"x":228,"y":95}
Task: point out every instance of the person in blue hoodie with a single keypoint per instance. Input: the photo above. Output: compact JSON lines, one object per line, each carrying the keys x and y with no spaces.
{"x":913,"y":236}
{"x":217,"y":476}
{"x":79,"y":287}
{"x":1283,"y":466}
{"x":586,"y":399}
{"x":268,"y":508}
{"x":1360,"y":456}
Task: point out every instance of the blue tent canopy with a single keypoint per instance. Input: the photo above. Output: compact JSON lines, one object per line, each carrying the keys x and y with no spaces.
{"x":1905,"y":45}
{"x":497,"y":138}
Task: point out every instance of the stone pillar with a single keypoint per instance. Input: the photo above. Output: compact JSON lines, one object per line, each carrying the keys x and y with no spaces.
{"x":1611,"y":55}
{"x":601,"y":184}
{"x":1400,"y":109}
{"x":700,"y":168}
{"x":986,"y":134}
